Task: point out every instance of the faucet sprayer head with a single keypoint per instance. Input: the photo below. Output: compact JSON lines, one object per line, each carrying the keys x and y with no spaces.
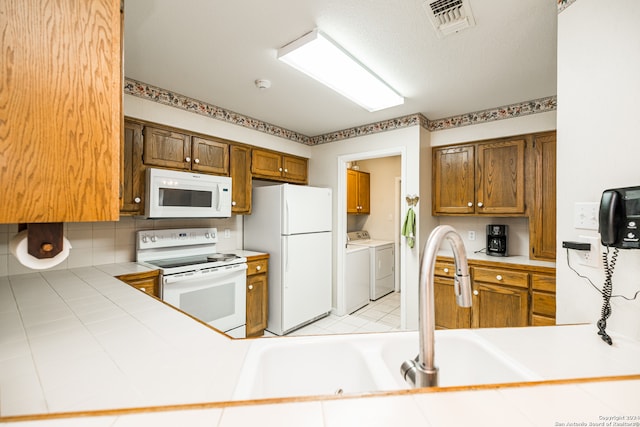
{"x":462,"y":288}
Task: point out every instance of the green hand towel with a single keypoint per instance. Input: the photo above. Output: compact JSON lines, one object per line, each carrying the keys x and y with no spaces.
{"x":409,"y":227}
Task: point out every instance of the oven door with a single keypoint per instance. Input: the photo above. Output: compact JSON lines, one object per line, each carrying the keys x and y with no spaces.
{"x":216,"y":296}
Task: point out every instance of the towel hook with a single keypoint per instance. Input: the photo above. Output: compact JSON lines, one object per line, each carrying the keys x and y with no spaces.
{"x":412,"y":200}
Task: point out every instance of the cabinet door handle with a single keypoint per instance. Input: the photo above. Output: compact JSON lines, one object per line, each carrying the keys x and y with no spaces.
{"x":196,"y":161}
{"x":143,"y":289}
{"x":137,"y":200}
{"x":480,"y":204}
{"x":286,"y":170}
{"x":258,"y":267}
{"x":470,"y":204}
{"x":498,"y":277}
{"x":476,"y":292}
{"x":250,"y":287}
{"x":446,"y":270}
{"x":279,"y":169}
{"x":188,"y":159}
{"x":233,"y":203}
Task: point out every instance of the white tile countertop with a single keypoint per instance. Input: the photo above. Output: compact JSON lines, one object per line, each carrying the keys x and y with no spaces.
{"x":79,"y":347}
{"x":512,"y":259}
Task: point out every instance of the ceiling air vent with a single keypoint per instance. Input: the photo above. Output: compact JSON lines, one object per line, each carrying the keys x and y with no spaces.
{"x":449,"y":16}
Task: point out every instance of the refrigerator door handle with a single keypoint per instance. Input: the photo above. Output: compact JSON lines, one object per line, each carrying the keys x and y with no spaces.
{"x":285,"y":217}
{"x":285,"y":252}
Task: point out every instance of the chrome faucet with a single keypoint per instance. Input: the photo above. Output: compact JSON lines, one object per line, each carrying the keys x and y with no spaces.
{"x":422,"y":372}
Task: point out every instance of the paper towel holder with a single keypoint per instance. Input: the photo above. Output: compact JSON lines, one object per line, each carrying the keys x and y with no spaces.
{"x":45,"y":240}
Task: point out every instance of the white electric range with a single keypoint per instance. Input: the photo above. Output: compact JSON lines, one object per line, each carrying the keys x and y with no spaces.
{"x":195,"y":277}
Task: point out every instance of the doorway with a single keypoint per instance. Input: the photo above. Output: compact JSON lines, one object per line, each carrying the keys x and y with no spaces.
{"x":389,"y":166}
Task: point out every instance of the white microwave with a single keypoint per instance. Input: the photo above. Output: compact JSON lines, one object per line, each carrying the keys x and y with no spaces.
{"x":176,"y":194}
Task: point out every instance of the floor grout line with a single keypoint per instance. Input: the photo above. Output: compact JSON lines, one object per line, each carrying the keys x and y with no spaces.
{"x":384,"y":316}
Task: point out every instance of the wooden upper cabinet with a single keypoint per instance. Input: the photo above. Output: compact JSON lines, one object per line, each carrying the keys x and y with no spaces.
{"x":480,"y":179}
{"x":358,"y":192}
{"x":240,"y":161}
{"x":542,"y":224}
{"x":209,"y":156}
{"x":295,"y":169}
{"x":166,"y":148}
{"x":453,"y":180}
{"x":266,"y":164}
{"x":500,"y":178}
{"x":133,"y":170}
{"x":276,"y":166}
{"x":170,"y":148}
{"x":61,"y":113}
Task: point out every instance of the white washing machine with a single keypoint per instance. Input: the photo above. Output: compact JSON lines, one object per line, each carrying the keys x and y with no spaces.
{"x":356,"y":286}
{"x":382,"y":280}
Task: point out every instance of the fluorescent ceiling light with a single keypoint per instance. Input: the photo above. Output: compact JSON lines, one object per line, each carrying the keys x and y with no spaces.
{"x":319,"y":57}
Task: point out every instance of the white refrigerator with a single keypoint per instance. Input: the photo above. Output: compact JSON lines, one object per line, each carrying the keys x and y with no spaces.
{"x":292,"y":223}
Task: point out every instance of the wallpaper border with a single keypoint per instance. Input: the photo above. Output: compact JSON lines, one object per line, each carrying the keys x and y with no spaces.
{"x":166,"y":97}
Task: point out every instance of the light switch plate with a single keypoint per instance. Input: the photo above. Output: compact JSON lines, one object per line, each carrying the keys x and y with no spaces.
{"x":585,"y":215}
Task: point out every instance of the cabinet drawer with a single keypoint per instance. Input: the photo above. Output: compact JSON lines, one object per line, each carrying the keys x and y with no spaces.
{"x":541,"y":282}
{"x":501,"y":277}
{"x":147,"y":282}
{"x":444,"y":269}
{"x":257,"y":266}
{"x":543,"y":303}
{"x":542,"y":321}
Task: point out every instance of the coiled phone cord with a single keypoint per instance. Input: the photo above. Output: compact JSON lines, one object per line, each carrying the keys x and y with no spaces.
{"x":606,"y":294}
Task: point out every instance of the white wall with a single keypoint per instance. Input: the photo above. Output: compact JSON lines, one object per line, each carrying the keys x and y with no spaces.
{"x":598,"y":145}
{"x":330,"y":169}
{"x":384,"y":170}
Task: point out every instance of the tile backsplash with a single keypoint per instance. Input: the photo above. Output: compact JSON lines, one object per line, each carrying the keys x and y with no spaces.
{"x":96,"y":243}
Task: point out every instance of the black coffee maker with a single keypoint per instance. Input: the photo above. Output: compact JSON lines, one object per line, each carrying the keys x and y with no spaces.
{"x":497,"y":240}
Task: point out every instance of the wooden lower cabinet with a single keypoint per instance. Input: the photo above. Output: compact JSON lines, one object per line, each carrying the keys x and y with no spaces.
{"x":147,"y":282}
{"x":257,"y":295}
{"x":497,"y":306}
{"x":543,"y":300}
{"x":447,"y":312}
{"x":504,"y":295}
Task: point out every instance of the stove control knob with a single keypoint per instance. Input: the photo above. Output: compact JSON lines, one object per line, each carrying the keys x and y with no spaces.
{"x":154,"y":238}
{"x":207,"y":235}
{"x":145,"y":239}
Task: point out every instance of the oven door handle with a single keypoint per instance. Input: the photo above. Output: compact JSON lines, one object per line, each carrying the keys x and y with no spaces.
{"x":216,"y":273}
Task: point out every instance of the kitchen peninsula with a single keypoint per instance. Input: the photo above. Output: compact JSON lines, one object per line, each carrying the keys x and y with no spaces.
{"x":79,"y":343}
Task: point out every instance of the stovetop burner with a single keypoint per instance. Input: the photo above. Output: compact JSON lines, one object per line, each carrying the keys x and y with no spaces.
{"x":222,"y":257}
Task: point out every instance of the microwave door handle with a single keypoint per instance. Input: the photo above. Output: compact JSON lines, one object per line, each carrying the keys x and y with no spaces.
{"x":219,"y":197}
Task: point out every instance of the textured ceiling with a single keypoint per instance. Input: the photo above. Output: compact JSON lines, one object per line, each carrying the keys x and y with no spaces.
{"x":214,"y":50}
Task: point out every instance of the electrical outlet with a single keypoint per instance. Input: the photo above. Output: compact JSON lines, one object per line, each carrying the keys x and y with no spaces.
{"x":592,"y":258}
{"x":472,"y":235}
{"x":227,"y":233}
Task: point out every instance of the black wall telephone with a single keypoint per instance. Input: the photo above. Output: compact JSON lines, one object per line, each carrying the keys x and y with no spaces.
{"x":619,"y":218}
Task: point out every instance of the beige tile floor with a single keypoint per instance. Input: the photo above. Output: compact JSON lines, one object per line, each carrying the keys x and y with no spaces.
{"x":382,"y":315}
